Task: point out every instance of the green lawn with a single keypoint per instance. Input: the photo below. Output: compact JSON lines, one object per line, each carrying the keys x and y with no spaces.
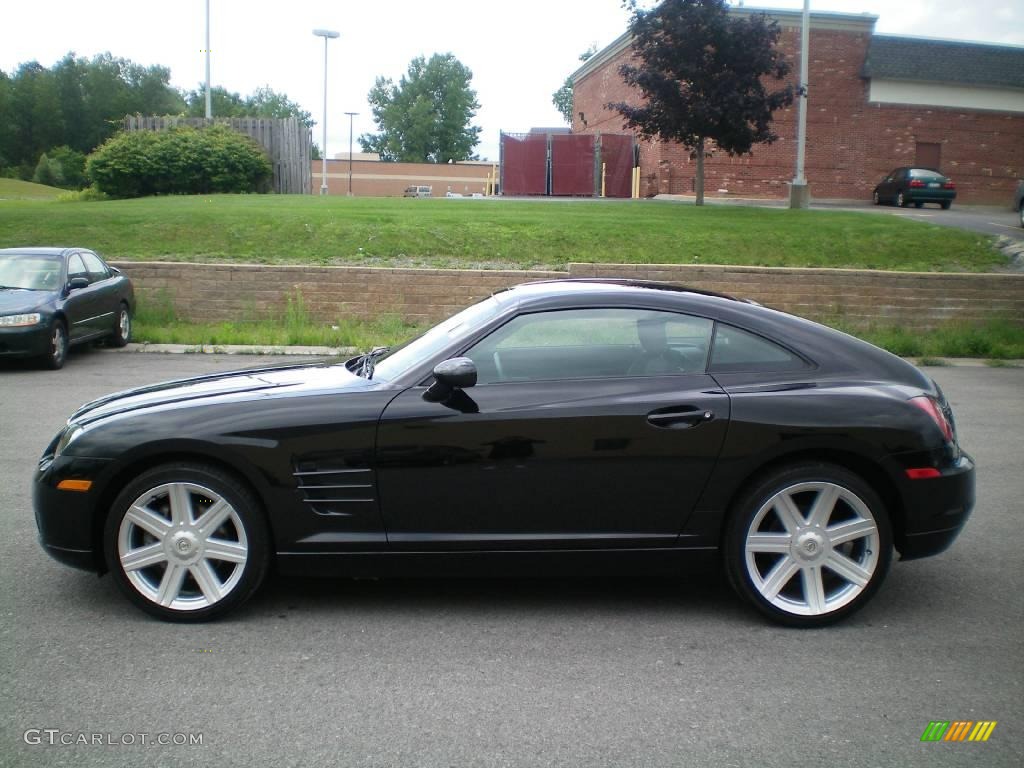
{"x":15,"y":189}
{"x":487,"y":233}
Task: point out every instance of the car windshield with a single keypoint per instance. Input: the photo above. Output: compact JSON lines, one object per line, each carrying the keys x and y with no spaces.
{"x":422,"y":348}
{"x":30,"y":272}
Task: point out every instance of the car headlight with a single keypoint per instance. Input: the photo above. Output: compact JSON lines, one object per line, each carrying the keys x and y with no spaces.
{"x":14,"y":321}
{"x":67,"y":438}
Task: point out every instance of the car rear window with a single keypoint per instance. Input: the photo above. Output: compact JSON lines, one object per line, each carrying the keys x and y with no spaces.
{"x":738,"y":351}
{"x":921,"y":173}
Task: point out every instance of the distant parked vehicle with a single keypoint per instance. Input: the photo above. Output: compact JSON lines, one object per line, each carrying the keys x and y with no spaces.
{"x":1018,"y":202}
{"x":419,"y":191}
{"x":917,"y":186}
{"x":52,"y":298}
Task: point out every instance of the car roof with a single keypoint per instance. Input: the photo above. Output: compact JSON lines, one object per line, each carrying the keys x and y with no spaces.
{"x":39,"y":251}
{"x":604,"y":286}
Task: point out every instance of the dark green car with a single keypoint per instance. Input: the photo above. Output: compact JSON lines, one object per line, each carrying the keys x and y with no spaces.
{"x":915,"y":186}
{"x":53,"y":298}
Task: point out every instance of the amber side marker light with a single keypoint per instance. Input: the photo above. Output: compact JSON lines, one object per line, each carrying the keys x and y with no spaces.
{"x":74,"y":485}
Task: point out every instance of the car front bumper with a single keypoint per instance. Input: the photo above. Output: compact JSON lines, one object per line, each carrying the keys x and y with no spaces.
{"x":30,"y":341}
{"x":67,"y":520}
{"x":936,"y":510}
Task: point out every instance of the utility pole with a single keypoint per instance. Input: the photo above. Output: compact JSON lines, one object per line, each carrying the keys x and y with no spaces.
{"x":351,"y":115}
{"x":799,"y":194}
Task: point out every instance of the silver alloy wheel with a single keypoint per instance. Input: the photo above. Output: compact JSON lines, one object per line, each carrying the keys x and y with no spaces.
{"x":124,"y":324}
{"x":58,"y":345}
{"x":182,"y":546}
{"x":812,"y":548}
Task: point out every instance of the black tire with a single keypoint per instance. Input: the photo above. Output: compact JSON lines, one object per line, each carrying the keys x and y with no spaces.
{"x":919,"y":205}
{"x":183,"y":567}
{"x":760,"y":549}
{"x":1020,"y":213}
{"x":122,"y":326}
{"x":57,"y":354}
{"x":901,"y":201}
{"x":946,"y":205}
{"x":875,"y":198}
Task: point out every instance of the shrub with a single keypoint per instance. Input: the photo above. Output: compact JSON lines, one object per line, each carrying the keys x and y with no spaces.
{"x":179,"y":161}
{"x":72,"y":166}
{"x":48,"y":172}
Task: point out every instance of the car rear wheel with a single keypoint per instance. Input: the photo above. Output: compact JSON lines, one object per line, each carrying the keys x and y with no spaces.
{"x":900,"y":200}
{"x":57,"y":353}
{"x":186,"y":542}
{"x":946,"y":205}
{"x":919,"y":205}
{"x":123,"y":329}
{"x":808,"y":545}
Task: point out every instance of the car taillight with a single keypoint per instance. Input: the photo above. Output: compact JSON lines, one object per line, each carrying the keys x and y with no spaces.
{"x":949,"y":185}
{"x":931,"y":407}
{"x":916,"y":184}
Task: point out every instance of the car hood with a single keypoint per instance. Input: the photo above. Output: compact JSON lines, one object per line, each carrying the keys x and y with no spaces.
{"x":256,"y":382}
{"x":17,"y":301}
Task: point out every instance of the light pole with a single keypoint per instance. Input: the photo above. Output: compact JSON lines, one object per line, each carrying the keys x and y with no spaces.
{"x":209,"y":106}
{"x":351,"y":115}
{"x":326,"y":34}
{"x":799,"y":196}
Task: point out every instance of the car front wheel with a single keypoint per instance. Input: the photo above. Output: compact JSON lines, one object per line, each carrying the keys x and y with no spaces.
{"x":186,"y":542}
{"x":900,"y":200}
{"x":123,"y":329}
{"x":808,"y":545}
{"x":875,"y":198}
{"x":57,"y":352}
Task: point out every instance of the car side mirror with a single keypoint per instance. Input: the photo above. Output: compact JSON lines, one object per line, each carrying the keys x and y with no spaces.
{"x":450,"y":376}
{"x":78,"y":282}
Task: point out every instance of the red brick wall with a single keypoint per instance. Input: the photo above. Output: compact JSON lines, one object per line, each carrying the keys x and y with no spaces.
{"x":851,"y":143}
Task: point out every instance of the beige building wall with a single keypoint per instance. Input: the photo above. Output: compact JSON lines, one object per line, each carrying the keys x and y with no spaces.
{"x":371,"y":178}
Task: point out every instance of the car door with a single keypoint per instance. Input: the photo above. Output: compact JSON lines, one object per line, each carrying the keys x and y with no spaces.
{"x":563,"y":443}
{"x":83,"y":306}
{"x":103,"y":285}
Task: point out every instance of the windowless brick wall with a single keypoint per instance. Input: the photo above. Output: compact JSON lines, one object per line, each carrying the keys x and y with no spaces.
{"x":918,"y":300}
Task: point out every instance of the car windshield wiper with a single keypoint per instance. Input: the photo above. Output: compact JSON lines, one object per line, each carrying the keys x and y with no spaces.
{"x":369,"y":361}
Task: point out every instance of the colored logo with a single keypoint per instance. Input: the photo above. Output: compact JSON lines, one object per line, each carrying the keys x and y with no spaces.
{"x":958,"y":730}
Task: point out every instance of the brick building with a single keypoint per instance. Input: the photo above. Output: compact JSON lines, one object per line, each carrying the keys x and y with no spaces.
{"x":875,"y":102}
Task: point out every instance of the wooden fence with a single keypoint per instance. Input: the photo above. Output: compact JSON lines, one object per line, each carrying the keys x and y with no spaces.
{"x":287,"y":141}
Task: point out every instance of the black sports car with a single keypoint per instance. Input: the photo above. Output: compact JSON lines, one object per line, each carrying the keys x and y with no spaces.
{"x":556,"y":426}
{"x":52,"y":298}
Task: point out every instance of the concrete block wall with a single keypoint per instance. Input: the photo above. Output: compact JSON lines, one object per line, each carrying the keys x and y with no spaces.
{"x":204,"y":292}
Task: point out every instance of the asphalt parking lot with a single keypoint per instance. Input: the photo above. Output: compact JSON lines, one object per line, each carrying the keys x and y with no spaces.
{"x":510,"y":673}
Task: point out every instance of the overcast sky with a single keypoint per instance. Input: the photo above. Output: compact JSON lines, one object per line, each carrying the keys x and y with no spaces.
{"x":520,"y":52}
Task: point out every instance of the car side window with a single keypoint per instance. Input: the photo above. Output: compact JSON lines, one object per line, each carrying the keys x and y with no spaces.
{"x":97,"y":269}
{"x":76,"y":267}
{"x":592,"y":343}
{"x":738,"y":351}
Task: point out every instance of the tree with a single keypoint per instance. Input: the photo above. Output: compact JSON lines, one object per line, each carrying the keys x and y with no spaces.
{"x":702,"y":74}
{"x":427,"y":116}
{"x":264,"y":102}
{"x":562,"y":98}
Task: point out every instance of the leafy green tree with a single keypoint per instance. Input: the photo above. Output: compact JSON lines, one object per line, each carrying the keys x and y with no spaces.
{"x":427,"y":116}
{"x":179,"y":161}
{"x":48,"y":172}
{"x":72,"y":166}
{"x":703,"y":76}
{"x":263,"y":102}
{"x":563,"y":97}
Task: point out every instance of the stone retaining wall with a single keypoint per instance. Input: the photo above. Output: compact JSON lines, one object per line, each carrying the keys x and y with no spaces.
{"x":862,"y":297}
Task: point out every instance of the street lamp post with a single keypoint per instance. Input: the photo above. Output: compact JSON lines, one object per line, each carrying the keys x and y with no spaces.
{"x":326,"y":34}
{"x":351,"y":115}
{"x":799,"y":195}
{"x":209,"y":105}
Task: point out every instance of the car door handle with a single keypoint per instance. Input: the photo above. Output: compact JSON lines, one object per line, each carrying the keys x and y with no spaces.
{"x":680,"y":418}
